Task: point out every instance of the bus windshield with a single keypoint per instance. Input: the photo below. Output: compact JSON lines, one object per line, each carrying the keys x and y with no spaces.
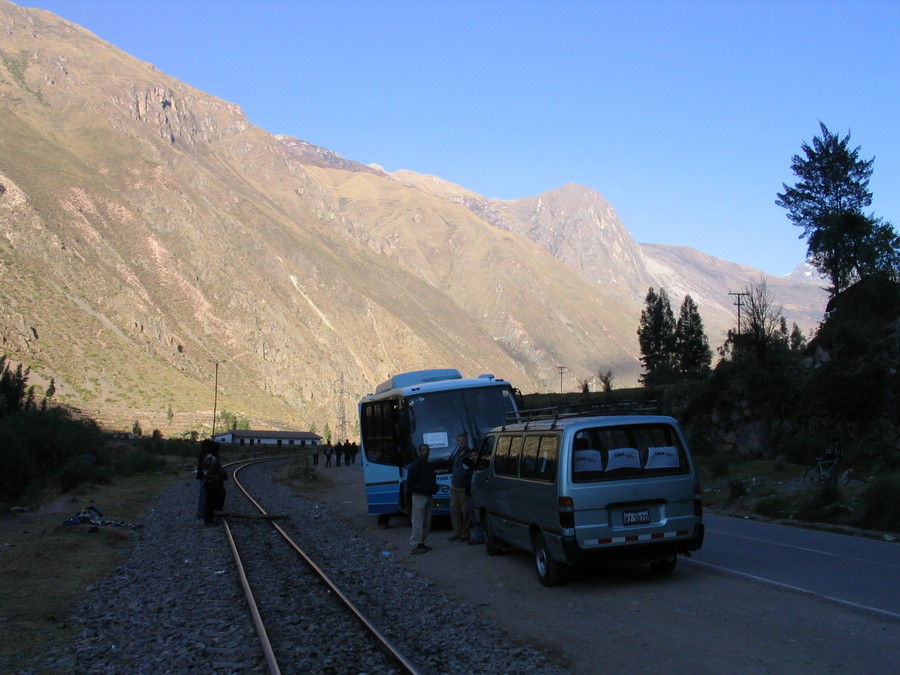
{"x":437,"y":418}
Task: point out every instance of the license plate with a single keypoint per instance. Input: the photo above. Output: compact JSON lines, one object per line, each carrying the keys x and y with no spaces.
{"x":637,"y":517}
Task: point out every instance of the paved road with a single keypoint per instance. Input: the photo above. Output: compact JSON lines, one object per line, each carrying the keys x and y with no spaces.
{"x":703,"y":618}
{"x":851,"y":570}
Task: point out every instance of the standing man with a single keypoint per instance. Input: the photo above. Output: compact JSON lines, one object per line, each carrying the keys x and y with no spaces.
{"x":460,"y":488}
{"x":214,"y":477}
{"x":422,"y":485}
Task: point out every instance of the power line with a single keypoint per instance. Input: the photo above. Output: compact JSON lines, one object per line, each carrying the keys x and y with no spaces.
{"x":561,"y":370}
{"x":341,"y":412}
{"x":739,"y":296}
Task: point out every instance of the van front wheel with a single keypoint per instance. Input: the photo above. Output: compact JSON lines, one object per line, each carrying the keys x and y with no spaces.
{"x":491,"y":544}
{"x":549,"y":571}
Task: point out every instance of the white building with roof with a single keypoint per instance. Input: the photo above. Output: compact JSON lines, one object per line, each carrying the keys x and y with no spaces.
{"x":276,"y":438}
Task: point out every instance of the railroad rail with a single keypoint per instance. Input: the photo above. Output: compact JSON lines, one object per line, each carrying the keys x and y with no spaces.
{"x":394,"y":657}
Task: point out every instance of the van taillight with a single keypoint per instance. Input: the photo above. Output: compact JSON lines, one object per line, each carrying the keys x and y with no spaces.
{"x":566,"y":512}
{"x":698,"y":502}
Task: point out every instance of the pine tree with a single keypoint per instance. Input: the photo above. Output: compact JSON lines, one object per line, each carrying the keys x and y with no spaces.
{"x":692,"y":351}
{"x":656,"y":337}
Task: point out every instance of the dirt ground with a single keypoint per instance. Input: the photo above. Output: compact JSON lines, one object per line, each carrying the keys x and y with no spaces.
{"x":625,"y":619}
{"x":46,"y":568}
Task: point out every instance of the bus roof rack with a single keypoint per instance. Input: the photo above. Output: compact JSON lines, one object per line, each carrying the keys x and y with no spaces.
{"x":556,"y":413}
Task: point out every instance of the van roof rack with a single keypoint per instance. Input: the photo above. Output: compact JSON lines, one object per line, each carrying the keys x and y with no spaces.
{"x":556,"y":413}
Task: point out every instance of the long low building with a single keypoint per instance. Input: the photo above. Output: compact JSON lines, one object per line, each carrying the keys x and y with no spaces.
{"x":257,"y":437}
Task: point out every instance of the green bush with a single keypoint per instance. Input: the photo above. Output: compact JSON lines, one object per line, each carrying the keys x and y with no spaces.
{"x":881,"y":505}
{"x":823,"y":505}
{"x":736,"y":489}
{"x":775,"y":506}
{"x":38,"y":447}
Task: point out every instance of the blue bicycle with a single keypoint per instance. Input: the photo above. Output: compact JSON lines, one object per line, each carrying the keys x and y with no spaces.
{"x":828,"y":469}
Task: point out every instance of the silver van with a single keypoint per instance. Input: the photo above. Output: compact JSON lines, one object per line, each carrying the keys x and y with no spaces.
{"x":587,"y":487}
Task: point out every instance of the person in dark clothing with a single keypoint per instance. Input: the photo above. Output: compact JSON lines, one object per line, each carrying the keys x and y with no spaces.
{"x":460,"y":489}
{"x":201,"y":498}
{"x":338,"y":451}
{"x":327,"y":455}
{"x":422,"y":484}
{"x":214,"y":477}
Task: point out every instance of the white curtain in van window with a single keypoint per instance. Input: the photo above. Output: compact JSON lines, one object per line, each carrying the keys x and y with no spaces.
{"x":587,"y":460}
{"x":665,"y":457}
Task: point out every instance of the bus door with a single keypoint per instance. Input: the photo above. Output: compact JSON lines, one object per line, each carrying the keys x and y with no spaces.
{"x":383,"y":428}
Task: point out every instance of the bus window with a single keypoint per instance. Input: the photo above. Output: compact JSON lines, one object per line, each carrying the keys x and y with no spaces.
{"x":379,"y":440}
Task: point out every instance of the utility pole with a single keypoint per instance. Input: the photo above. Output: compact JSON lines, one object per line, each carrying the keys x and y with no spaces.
{"x":561,"y":370}
{"x":739,"y":302}
{"x":341,"y":414}
{"x":215,"y":399}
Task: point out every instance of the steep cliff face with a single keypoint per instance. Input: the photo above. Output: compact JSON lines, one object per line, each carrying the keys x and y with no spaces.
{"x":148,"y":231}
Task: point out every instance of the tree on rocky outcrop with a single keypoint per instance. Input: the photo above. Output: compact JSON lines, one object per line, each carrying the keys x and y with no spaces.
{"x":764,"y":330}
{"x":844,"y":243}
{"x":15,"y":394}
{"x":692,"y":353}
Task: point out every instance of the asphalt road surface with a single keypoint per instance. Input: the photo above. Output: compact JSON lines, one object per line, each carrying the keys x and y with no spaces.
{"x":858,"y":572}
{"x":756,"y":599}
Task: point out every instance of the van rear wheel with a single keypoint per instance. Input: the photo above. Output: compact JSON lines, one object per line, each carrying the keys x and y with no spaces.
{"x":549,"y":571}
{"x":665,"y":564}
{"x":491,"y":544}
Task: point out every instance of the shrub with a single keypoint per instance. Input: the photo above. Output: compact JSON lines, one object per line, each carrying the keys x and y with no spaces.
{"x":824,"y":504}
{"x":775,"y":506}
{"x":736,"y":489}
{"x":881,"y":505}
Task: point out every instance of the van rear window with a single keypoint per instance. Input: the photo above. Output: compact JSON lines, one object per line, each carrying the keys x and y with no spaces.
{"x":608,"y":453}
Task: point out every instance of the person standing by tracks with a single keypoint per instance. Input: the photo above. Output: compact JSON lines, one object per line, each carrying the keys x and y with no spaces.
{"x":201,"y":498}
{"x":422,"y":484}
{"x":214,"y":477}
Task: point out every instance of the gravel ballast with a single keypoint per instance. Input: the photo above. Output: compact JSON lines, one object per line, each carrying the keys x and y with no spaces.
{"x":175,"y":604}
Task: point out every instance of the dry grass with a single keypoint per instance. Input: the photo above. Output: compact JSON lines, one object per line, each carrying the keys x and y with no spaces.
{"x":46,"y":568}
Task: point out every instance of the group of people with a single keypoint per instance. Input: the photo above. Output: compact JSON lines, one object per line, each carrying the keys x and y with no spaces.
{"x":347,"y":450}
{"x":422,"y":484}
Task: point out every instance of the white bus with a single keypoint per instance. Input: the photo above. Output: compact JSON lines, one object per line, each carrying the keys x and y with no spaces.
{"x":424,"y":406}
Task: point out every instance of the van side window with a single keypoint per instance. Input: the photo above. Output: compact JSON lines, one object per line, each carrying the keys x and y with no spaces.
{"x":548,"y":456}
{"x":528,"y":467}
{"x":501,"y":456}
{"x":515,"y":450}
{"x":483,"y":460}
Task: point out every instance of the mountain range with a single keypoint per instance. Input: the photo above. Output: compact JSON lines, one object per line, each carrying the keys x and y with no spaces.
{"x":162,"y":257}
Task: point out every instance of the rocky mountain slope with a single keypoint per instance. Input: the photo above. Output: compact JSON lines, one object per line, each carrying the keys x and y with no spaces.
{"x":148,"y":231}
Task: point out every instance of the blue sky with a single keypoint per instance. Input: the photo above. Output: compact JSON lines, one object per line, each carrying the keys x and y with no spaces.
{"x":683,"y":115}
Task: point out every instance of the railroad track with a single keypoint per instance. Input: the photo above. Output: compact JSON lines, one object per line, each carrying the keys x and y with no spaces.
{"x":305,"y":623}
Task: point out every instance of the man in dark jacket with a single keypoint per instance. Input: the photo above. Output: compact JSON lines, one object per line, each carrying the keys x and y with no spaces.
{"x":422,"y":484}
{"x":460,"y":489}
{"x":214,"y":477}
